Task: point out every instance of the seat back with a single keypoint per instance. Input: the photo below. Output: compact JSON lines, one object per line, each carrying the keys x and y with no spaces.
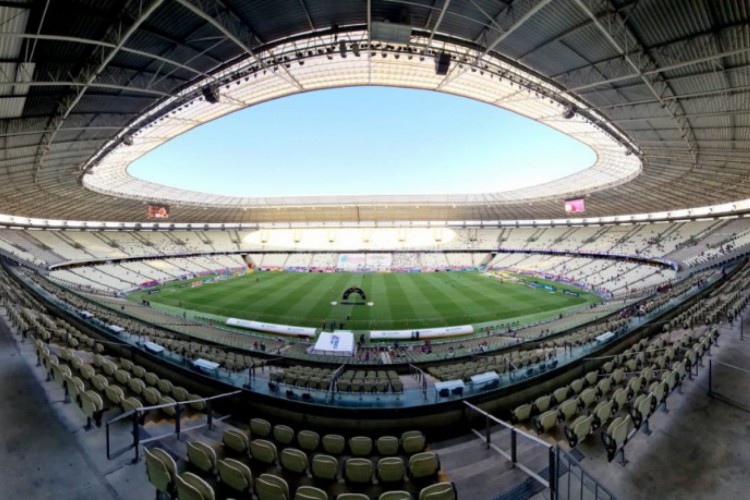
{"x":522,"y":413}
{"x":423,"y":465}
{"x":260,"y":428}
{"x":202,"y":456}
{"x":283,"y":434}
{"x":157,"y":472}
{"x":270,"y":487}
{"x":236,"y":440}
{"x":334,"y":444}
{"x":567,"y":409}
{"x":192,"y":487}
{"x":325,"y":467}
{"x":308,"y":440}
{"x":263,"y":451}
{"x":360,"y":446}
{"x":438,"y":491}
{"x":358,"y":470}
{"x":391,"y":469}
{"x":395,"y":495}
{"x":542,"y":403}
{"x":412,"y":441}
{"x":294,"y":460}
{"x":587,"y":398}
{"x":235,"y":474}
{"x":310,"y":493}
{"x":387,"y":445}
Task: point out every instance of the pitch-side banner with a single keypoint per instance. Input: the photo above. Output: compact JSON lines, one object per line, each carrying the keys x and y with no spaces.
{"x":423,"y":333}
{"x":298,"y":331}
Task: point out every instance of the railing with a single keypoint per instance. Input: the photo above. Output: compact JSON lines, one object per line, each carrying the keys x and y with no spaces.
{"x":512,"y":454}
{"x":728,"y":383}
{"x":563,"y":477}
{"x":573,"y":482}
{"x":421,"y":377}
{"x":138,"y":414}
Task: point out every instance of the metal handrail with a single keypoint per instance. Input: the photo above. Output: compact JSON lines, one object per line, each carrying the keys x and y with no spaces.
{"x":136,"y":413}
{"x":507,"y":425}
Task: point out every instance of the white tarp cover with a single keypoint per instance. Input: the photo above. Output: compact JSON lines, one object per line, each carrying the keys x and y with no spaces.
{"x":338,"y":343}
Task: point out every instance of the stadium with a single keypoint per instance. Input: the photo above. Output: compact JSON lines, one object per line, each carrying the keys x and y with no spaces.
{"x":578,"y":337}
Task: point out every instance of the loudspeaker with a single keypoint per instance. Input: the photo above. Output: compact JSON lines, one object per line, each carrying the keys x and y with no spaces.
{"x":442,"y":64}
{"x":211,"y":94}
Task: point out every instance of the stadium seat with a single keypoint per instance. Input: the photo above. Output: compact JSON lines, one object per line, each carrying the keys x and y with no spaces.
{"x":325,"y":467}
{"x":387,"y":445}
{"x":390,"y":470}
{"x":131,"y":404}
{"x":283,"y":434}
{"x":122,"y":376}
{"x":423,"y":465}
{"x":294,"y":460}
{"x":259,"y":428}
{"x":310,"y":493}
{"x":180,"y":393}
{"x":136,"y":385}
{"x":235,"y":440}
{"x":192,"y":487}
{"x":560,"y":394}
{"x":164,"y":386}
{"x":567,"y":409}
{"x":161,"y":470}
{"x":93,"y":406}
{"x":360,"y":446}
{"x":263,"y":451}
{"x":358,"y":470}
{"x":352,"y":496}
{"x":545,"y":421}
{"x":334,"y":444}
{"x":521,"y":413}
{"x":587,"y":398}
{"x":602,"y":413}
{"x":151,"y":379}
{"x":579,"y":430}
{"x":439,"y":491}
{"x":202,"y":456}
{"x":271,"y":487}
{"x":308,"y":440}
{"x":99,"y":382}
{"x":412,"y":442}
{"x":151,"y":395}
{"x":395,"y":495}
{"x":236,"y":475}
{"x":616,"y":435}
{"x":114,"y":394}
{"x":542,"y":403}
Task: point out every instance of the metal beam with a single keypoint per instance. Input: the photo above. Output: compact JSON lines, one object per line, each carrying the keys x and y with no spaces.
{"x":102,"y":44}
{"x":443,"y":10}
{"x":234,"y":38}
{"x":531,"y":12}
{"x":619,"y":36}
{"x":86,"y":86}
{"x":661,"y":69}
{"x":88,"y":75}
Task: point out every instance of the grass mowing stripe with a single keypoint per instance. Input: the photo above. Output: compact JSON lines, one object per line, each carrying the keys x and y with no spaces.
{"x":445,"y":308}
{"x":417,"y":300}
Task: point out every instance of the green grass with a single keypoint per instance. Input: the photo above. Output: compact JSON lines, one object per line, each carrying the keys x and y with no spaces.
{"x":401,"y":301}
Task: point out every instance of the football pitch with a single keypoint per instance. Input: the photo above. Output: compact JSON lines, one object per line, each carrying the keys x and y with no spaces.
{"x":398,"y":300}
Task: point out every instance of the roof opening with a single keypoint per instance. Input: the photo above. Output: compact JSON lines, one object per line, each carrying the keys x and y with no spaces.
{"x":365,"y":141}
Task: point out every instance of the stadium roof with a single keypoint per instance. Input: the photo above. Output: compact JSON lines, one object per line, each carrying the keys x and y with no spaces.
{"x":660,"y":86}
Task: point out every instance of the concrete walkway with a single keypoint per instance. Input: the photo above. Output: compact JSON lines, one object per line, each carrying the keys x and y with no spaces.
{"x":44,"y":451}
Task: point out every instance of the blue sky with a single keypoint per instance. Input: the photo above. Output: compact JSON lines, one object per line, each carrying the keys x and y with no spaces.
{"x":364,"y":140}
